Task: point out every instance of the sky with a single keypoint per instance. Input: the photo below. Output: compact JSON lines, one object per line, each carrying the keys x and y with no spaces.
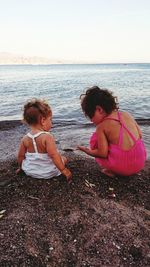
{"x":91,"y":31}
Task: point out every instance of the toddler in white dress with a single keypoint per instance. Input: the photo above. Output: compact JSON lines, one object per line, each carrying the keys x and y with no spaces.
{"x":38,"y":156}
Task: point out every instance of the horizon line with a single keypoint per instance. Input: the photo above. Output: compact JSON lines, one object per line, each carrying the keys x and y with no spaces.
{"x":75,"y":63}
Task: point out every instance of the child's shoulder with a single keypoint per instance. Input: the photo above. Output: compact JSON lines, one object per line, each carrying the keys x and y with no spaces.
{"x":47,"y":136}
{"x":24,"y":138}
{"x":126,"y":115}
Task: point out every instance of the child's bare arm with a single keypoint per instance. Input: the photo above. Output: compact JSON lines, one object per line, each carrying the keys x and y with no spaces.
{"x":92,"y":152}
{"x":55,"y":156}
{"x":21,"y":155}
{"x":102,"y":150}
{"x":21,"y":152}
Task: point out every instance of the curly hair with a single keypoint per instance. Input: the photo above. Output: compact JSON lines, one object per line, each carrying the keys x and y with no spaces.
{"x":34,"y":110}
{"x":96,"y":96}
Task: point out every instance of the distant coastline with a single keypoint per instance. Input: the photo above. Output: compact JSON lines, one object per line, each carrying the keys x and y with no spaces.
{"x":15,"y":59}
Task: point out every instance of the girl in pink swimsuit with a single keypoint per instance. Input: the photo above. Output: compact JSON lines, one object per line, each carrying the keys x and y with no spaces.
{"x":117,"y":143}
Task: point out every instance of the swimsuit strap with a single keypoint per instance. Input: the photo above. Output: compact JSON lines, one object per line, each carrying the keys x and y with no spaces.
{"x":109,"y":118}
{"x":121,"y":130}
{"x":33,"y":136}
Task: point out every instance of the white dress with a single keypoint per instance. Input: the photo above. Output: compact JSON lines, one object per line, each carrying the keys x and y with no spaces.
{"x":39,"y":165}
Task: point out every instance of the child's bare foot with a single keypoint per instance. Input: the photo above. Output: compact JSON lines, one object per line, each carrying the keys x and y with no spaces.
{"x":108,"y":172}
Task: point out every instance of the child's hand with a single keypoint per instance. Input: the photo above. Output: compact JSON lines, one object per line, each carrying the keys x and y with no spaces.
{"x":66,"y":172}
{"x":84,"y":149}
{"x":18,"y":171}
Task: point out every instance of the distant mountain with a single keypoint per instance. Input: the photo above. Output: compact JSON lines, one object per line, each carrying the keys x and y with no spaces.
{"x":9,"y":58}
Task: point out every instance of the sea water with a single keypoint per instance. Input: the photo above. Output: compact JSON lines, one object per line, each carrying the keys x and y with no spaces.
{"x":62,"y":86}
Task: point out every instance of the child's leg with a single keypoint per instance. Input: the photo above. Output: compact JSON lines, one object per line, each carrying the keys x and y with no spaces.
{"x":104,"y":164}
{"x":65,"y":161}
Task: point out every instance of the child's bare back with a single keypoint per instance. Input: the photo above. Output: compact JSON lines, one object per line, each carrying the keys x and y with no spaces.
{"x":112,"y":129}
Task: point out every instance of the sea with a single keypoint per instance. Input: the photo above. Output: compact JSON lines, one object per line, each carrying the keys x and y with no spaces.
{"x":61,"y":85}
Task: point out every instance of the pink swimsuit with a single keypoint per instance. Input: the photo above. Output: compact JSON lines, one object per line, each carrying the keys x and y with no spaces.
{"x":120,"y":161}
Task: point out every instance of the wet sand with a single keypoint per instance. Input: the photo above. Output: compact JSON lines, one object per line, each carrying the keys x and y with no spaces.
{"x":96,"y":221}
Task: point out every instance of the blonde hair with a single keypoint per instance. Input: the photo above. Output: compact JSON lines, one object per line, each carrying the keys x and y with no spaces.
{"x":34,"y":110}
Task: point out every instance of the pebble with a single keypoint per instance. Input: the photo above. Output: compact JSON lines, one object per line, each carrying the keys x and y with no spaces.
{"x":2,"y":211}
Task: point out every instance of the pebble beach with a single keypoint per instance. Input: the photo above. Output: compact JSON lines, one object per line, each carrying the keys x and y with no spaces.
{"x":94,"y":221}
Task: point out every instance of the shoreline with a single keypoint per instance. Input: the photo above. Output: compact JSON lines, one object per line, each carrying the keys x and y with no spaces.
{"x":17,"y":122}
{"x":67,"y":135}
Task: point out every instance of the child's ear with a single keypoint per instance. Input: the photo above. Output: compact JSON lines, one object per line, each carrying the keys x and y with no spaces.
{"x":42,"y":120}
{"x":99,"y":108}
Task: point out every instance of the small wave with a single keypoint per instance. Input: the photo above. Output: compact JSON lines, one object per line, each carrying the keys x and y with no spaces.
{"x":7,"y":124}
{"x":143,"y":121}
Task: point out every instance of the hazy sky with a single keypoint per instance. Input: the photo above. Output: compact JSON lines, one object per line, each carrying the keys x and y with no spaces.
{"x":78,"y":30}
